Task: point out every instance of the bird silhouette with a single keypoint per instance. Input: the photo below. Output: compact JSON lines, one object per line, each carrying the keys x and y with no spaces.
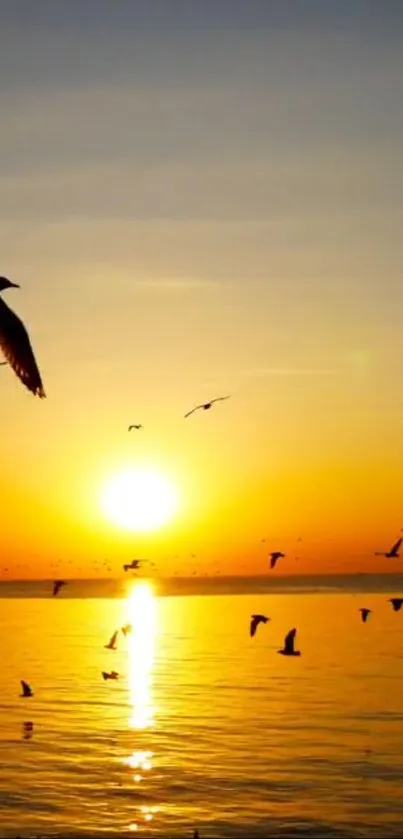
{"x":274,"y":557}
{"x":394,"y":551}
{"x":26,"y":690}
{"x":397,"y":603}
{"x":133,"y":565}
{"x":16,"y":346}
{"x":112,"y":675}
{"x":57,"y":585}
{"x":255,"y":621}
{"x":289,"y":641}
{"x":127,"y":628}
{"x":111,"y":645}
{"x":137,"y":427}
{"x":365,"y":614}
{"x":205,"y":406}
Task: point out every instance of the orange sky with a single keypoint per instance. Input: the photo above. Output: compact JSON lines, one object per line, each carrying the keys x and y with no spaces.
{"x":204,"y":206}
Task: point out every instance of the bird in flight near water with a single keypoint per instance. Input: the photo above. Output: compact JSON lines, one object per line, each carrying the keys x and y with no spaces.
{"x":57,"y":585}
{"x":16,"y":346}
{"x":365,"y":614}
{"x":274,"y":557}
{"x":111,"y":645}
{"x":394,"y":551}
{"x":255,"y":621}
{"x":112,"y":675}
{"x":205,"y":406}
{"x":397,"y":603}
{"x":26,"y":690}
{"x":289,"y":641}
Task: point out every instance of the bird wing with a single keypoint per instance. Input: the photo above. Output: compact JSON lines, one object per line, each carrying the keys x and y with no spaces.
{"x":56,"y":586}
{"x":219,"y":399}
{"x":396,"y":546}
{"x":25,"y":688}
{"x":273,"y":560}
{"x":289,"y":641}
{"x":253,"y":625}
{"x":16,"y":346}
{"x":193,"y":410}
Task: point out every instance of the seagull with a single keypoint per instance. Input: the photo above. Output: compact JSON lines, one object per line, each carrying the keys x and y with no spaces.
{"x":394,"y":551}
{"x":16,"y":346}
{"x":127,"y":629}
{"x":365,"y":614}
{"x":112,"y":643}
{"x":133,"y":565}
{"x":137,"y":427}
{"x":289,"y":644}
{"x":206,"y":405}
{"x":397,"y":603}
{"x":57,"y":585}
{"x":255,"y":621}
{"x":274,"y":556}
{"x":112,"y":675}
{"x":26,"y":690}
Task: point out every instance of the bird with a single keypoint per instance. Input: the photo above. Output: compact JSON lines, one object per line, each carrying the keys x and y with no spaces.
{"x":397,"y":603}
{"x":289,"y":640}
{"x":127,"y":628}
{"x":57,"y":585}
{"x":394,"y":551}
{"x":16,"y":346}
{"x":27,"y":730}
{"x":133,"y":565}
{"x":26,"y":690}
{"x":137,"y":427}
{"x":365,"y":614}
{"x":112,"y":675}
{"x":274,"y":557}
{"x":205,"y":406}
{"x":112,"y":643}
{"x":255,"y":621}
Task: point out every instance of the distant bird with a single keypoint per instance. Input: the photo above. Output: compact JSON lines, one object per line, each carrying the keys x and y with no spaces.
{"x":394,"y":551}
{"x":127,"y":628}
{"x":255,"y":621}
{"x":57,"y":585}
{"x":205,"y":406}
{"x":289,"y":640}
{"x":137,"y":427}
{"x":112,"y":643}
{"x":26,"y":690}
{"x":133,"y":565}
{"x":365,"y":614}
{"x":274,"y":557}
{"x":16,"y":346}
{"x":112,"y":675}
{"x":397,"y":603}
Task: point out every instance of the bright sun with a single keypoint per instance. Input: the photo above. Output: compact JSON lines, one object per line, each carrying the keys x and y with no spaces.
{"x":139,"y":499}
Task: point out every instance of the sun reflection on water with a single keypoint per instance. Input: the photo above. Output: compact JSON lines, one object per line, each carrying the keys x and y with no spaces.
{"x":142,"y":614}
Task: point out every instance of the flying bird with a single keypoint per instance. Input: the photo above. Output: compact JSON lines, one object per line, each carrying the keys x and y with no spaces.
{"x":16,"y":346}
{"x":397,"y":603}
{"x":205,"y":406}
{"x":274,"y":557}
{"x":26,"y":690}
{"x":112,"y":643}
{"x":127,"y":628}
{"x":112,"y":675}
{"x":365,"y":614}
{"x":137,"y":427}
{"x":255,"y":621}
{"x":133,"y":565}
{"x":289,"y":641}
{"x":57,"y":585}
{"x":394,"y":551}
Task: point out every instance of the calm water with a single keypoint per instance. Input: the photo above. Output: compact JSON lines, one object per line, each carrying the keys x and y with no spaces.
{"x":206,"y":727}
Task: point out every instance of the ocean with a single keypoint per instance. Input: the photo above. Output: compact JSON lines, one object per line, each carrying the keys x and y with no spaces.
{"x":206,"y":727}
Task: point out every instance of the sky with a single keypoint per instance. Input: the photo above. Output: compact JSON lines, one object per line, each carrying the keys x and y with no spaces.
{"x":202,"y":199}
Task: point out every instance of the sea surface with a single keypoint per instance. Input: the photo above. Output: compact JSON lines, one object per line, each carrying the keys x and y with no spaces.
{"x":205,"y":727}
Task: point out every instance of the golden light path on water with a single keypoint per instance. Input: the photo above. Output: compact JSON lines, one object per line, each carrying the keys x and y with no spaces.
{"x":142,"y":616}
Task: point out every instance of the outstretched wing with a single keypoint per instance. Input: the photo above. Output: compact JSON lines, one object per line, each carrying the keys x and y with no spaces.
{"x":289,"y":641}
{"x":253,"y":625}
{"x":396,"y":546}
{"x":193,"y":410}
{"x":16,"y":346}
{"x":26,"y":690}
{"x":219,"y":399}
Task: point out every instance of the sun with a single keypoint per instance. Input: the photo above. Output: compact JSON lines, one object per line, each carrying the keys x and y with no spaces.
{"x":139,"y":499}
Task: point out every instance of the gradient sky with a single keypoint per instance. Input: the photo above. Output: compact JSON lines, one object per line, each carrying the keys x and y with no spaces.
{"x":197,"y":199}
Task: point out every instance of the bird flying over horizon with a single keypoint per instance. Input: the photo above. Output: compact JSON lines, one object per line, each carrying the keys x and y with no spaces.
{"x":274,"y":557}
{"x":26,"y":690}
{"x":111,"y":645}
{"x":365,"y":614}
{"x":205,"y":406}
{"x":57,"y":585}
{"x":289,"y":642}
{"x":394,"y":551}
{"x":112,"y":675}
{"x":16,"y":345}
{"x":137,"y":427}
{"x":397,"y":603}
{"x":255,"y":621}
